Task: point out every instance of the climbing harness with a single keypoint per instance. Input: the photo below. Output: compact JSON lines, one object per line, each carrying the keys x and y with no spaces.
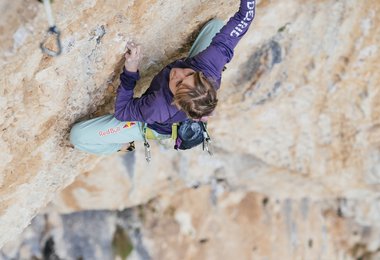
{"x":51,"y":32}
{"x":186,"y":134}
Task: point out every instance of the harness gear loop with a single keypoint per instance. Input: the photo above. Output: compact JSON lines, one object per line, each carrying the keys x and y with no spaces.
{"x":52,"y":31}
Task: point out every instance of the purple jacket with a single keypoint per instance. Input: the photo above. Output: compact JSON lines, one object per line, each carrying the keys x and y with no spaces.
{"x":155,"y":107}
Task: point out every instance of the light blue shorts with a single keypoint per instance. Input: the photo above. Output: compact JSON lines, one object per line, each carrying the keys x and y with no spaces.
{"x":106,"y":135}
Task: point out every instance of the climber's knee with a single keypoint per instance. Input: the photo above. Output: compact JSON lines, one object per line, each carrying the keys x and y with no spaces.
{"x":215,"y":22}
{"x":77,"y":135}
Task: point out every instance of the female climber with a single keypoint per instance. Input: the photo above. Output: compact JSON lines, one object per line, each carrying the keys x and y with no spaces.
{"x":185,"y":88}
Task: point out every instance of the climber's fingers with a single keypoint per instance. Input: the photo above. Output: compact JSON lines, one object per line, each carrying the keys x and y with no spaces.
{"x":133,"y":51}
{"x":138,"y":50}
{"x":130,"y":45}
{"x":132,"y":56}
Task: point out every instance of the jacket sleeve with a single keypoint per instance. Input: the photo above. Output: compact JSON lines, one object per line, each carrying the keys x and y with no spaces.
{"x":128,"y":108}
{"x":221,"y":49}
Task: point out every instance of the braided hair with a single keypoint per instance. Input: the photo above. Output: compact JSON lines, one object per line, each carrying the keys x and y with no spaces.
{"x":199,"y":100}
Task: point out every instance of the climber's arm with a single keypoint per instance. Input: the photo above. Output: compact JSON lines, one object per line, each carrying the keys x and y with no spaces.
{"x":132,"y":57}
{"x":221,"y":49}
{"x":128,"y":108}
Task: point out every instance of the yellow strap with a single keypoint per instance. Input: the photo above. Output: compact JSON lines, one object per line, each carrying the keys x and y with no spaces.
{"x":174,"y":131}
{"x":149,"y":134}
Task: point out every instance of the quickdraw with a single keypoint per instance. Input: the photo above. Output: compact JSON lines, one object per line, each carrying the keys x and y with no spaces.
{"x":51,"y":32}
{"x":148,"y":156}
{"x":206,"y":145}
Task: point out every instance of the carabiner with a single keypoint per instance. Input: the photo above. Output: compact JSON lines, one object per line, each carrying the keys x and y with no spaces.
{"x":55,"y":32}
{"x":148,"y":156}
{"x":207,"y":142}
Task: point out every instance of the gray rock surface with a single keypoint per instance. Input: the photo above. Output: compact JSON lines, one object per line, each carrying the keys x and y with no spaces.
{"x":298,"y":122}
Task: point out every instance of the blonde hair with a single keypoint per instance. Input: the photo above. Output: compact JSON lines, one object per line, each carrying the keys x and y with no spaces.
{"x":198,"y":100}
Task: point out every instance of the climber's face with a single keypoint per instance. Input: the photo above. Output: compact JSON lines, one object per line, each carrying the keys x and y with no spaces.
{"x":178,"y":77}
{"x":192,"y":93}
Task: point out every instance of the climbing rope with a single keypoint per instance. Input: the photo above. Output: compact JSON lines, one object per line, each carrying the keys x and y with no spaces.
{"x":51,"y":32}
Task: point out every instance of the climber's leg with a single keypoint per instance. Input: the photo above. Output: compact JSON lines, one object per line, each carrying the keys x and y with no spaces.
{"x":98,"y":149}
{"x":104,"y":135}
{"x":204,"y":38}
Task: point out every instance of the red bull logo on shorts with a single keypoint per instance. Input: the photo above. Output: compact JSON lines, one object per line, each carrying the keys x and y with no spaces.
{"x":110,"y":131}
{"x":129,"y":124}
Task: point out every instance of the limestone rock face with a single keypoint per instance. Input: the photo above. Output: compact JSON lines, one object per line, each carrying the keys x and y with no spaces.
{"x":41,"y":97}
{"x":201,"y":224}
{"x":299,"y":114}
